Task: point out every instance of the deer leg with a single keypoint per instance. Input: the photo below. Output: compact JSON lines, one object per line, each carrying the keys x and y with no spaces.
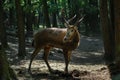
{"x":32,"y":57}
{"x":67,"y":55}
{"x":45,"y":57}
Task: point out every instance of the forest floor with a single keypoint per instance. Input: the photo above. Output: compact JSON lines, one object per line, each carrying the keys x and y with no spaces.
{"x":86,"y":63}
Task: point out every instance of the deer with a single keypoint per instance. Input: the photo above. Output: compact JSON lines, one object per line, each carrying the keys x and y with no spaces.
{"x":67,"y":39}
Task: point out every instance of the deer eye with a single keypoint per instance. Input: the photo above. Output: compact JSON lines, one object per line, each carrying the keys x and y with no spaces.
{"x":72,"y":30}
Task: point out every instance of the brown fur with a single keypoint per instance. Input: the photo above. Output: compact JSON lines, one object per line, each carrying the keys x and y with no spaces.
{"x":53,"y":37}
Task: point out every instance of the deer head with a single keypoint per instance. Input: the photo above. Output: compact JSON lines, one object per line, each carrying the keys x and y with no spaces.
{"x":71,"y":29}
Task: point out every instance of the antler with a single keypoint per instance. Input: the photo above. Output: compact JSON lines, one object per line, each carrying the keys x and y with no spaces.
{"x":78,"y":21}
{"x":68,"y":21}
{"x":72,"y":18}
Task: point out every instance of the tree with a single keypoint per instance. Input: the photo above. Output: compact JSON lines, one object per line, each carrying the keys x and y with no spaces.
{"x":11,"y":13}
{"x":106,"y":31}
{"x":21,"y":31}
{"x":3,"y":36}
{"x":28,"y":15}
{"x":6,"y":72}
{"x":74,"y":9}
{"x":54,"y":10}
{"x":117,"y":32}
{"x":91,"y":17}
{"x":46,"y":13}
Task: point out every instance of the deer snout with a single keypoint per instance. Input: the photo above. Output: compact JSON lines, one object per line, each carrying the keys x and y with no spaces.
{"x":66,"y":40}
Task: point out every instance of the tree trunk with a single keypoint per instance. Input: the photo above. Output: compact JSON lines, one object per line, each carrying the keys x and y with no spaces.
{"x":93,"y":21}
{"x":45,"y":13}
{"x":54,"y":20}
{"x":74,"y":9}
{"x":69,"y":7}
{"x":117,"y":31}
{"x":3,"y":36}
{"x":12,"y":14}
{"x":6,"y":73}
{"x":21,"y":32}
{"x":112,"y":27}
{"x":29,"y":20}
{"x":108,"y":47}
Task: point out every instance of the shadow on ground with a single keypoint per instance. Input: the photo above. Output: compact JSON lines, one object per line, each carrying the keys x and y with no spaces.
{"x":87,"y":59}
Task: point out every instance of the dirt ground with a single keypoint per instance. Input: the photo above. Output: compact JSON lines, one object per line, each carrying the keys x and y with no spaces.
{"x":86,"y":63}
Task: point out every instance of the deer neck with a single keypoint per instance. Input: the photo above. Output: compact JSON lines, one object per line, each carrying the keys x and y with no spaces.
{"x":76,"y":39}
{"x":74,"y":43}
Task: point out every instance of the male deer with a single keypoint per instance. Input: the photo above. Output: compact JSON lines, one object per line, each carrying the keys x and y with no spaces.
{"x":67,"y":39}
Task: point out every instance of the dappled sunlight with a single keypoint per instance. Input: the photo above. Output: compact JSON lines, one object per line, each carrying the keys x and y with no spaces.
{"x":87,"y":31}
{"x":13,"y":46}
{"x":90,"y":51}
{"x":40,"y":71}
{"x":87,"y":58}
{"x":56,"y":65}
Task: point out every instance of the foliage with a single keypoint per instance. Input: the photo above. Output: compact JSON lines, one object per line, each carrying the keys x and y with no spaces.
{"x":56,"y":6}
{"x":8,"y":5}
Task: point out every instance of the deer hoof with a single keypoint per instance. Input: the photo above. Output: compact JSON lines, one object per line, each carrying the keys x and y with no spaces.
{"x":29,"y":71}
{"x":51,"y":70}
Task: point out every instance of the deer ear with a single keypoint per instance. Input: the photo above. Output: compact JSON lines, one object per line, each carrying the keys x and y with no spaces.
{"x":76,"y":27}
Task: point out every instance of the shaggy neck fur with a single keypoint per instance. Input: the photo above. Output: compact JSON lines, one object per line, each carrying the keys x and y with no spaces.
{"x":74,"y":43}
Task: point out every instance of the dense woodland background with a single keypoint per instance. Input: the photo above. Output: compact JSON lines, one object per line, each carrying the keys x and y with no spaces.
{"x":21,"y":18}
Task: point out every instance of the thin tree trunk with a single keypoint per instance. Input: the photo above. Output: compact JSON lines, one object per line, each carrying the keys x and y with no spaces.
{"x":112,"y":27}
{"x":3,"y":36}
{"x":12,"y":15}
{"x":117,"y":31}
{"x":45,"y":13}
{"x":106,"y":32}
{"x":54,"y":20}
{"x":21,"y":32}
{"x":29,"y":20}
{"x":93,"y":22}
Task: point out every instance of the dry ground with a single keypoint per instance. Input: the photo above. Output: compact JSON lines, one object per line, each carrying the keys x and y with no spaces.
{"x":86,"y":62}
